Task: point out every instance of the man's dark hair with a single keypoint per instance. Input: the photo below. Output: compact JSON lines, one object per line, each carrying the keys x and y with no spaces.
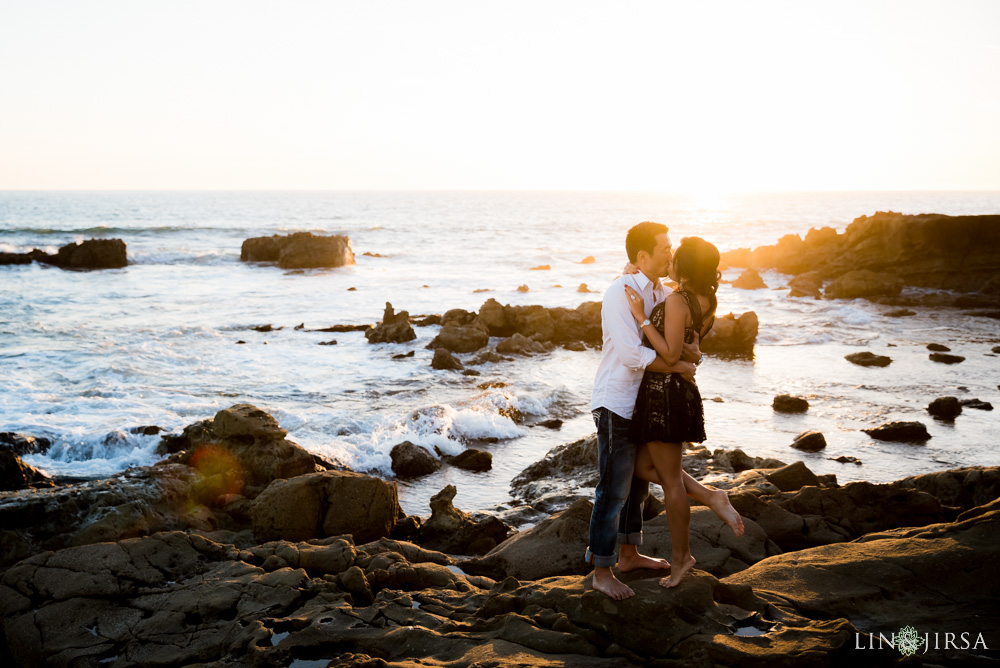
{"x":642,"y":237}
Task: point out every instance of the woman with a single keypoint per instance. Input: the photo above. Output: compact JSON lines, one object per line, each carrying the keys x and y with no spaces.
{"x":668,"y":410}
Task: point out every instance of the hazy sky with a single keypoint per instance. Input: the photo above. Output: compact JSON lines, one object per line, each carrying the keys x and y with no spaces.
{"x":661,"y":96}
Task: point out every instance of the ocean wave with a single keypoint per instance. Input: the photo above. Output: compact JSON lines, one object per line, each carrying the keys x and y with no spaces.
{"x":205,"y":258}
{"x":105,"y":230}
{"x":97,"y":455}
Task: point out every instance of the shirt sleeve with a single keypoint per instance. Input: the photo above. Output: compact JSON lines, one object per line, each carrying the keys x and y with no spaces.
{"x":617,"y":318}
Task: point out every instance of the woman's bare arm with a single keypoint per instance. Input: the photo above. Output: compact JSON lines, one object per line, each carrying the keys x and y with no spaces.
{"x":670,"y":346}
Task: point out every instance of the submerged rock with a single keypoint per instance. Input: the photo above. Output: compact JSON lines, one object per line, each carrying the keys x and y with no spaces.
{"x":868,"y":358}
{"x":938,"y":348}
{"x":786,"y":403}
{"x":945,"y":358}
{"x":899,"y":431}
{"x":945,"y":408}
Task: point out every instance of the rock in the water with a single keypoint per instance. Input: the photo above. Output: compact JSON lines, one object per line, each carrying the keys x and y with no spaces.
{"x":786,"y":403}
{"x":927,"y":250}
{"x":977,"y":404}
{"x":749,"y":280}
{"x":945,"y":358}
{"x":329,"y":503}
{"x":868,"y":358}
{"x":904,"y":432}
{"x":523,"y":288}
{"x":412,"y":461}
{"x":301,"y":250}
{"x":444,"y":360}
{"x":394,"y":328}
{"x":845,"y":459}
{"x":472,"y":460}
{"x":92,"y":254}
{"x":455,"y":532}
{"x":731,"y":334}
{"x":863,"y":283}
{"x":900,"y":313}
{"x":938,"y":348}
{"x":792,"y":477}
{"x":945,"y":408}
{"x":806,"y":285}
{"x":518,"y":344}
{"x":809,"y":441}
{"x":460,"y":339}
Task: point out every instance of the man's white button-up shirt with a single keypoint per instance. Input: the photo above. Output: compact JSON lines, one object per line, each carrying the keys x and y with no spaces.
{"x":624,"y":358}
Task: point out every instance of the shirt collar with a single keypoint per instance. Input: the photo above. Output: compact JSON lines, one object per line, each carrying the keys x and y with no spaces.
{"x":644,"y":282}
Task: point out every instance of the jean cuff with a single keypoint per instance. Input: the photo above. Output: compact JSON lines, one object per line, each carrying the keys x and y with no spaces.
{"x":598,"y":561}
{"x":630,"y":538}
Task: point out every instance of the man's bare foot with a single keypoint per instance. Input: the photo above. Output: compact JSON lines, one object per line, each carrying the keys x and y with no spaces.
{"x":605,"y":581}
{"x":721,"y":506}
{"x":677,"y":572}
{"x":633,"y":562}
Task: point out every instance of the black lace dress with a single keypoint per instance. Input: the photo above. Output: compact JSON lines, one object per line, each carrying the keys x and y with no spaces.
{"x":668,"y":408}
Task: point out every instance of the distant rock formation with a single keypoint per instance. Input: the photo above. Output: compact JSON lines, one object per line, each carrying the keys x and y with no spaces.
{"x":959,"y":253}
{"x":302,"y":250}
{"x":90,"y":254}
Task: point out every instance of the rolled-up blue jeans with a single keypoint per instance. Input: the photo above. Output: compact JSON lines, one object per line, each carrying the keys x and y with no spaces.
{"x":617,"y":515}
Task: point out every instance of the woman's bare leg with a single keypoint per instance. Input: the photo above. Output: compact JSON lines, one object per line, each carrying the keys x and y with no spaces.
{"x":716,"y":499}
{"x":667,"y":462}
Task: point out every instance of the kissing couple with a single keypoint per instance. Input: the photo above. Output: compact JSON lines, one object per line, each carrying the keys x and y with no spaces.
{"x":646,"y":404}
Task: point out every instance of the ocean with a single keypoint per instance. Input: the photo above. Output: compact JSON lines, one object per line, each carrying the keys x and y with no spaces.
{"x":85,"y":356}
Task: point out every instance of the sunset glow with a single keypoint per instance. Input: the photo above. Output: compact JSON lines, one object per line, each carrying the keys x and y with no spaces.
{"x":676,"y":97}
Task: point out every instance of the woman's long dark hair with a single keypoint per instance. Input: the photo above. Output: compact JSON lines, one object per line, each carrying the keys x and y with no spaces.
{"x":697,"y":262}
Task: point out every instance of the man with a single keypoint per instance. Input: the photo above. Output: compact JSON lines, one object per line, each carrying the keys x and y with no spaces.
{"x":617,"y":516}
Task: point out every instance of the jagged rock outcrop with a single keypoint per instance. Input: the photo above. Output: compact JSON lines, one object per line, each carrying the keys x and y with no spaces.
{"x":394,"y":328}
{"x":928,"y":250}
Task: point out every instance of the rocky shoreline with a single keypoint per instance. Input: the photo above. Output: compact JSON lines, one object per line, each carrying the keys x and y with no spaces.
{"x":242,"y":549}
